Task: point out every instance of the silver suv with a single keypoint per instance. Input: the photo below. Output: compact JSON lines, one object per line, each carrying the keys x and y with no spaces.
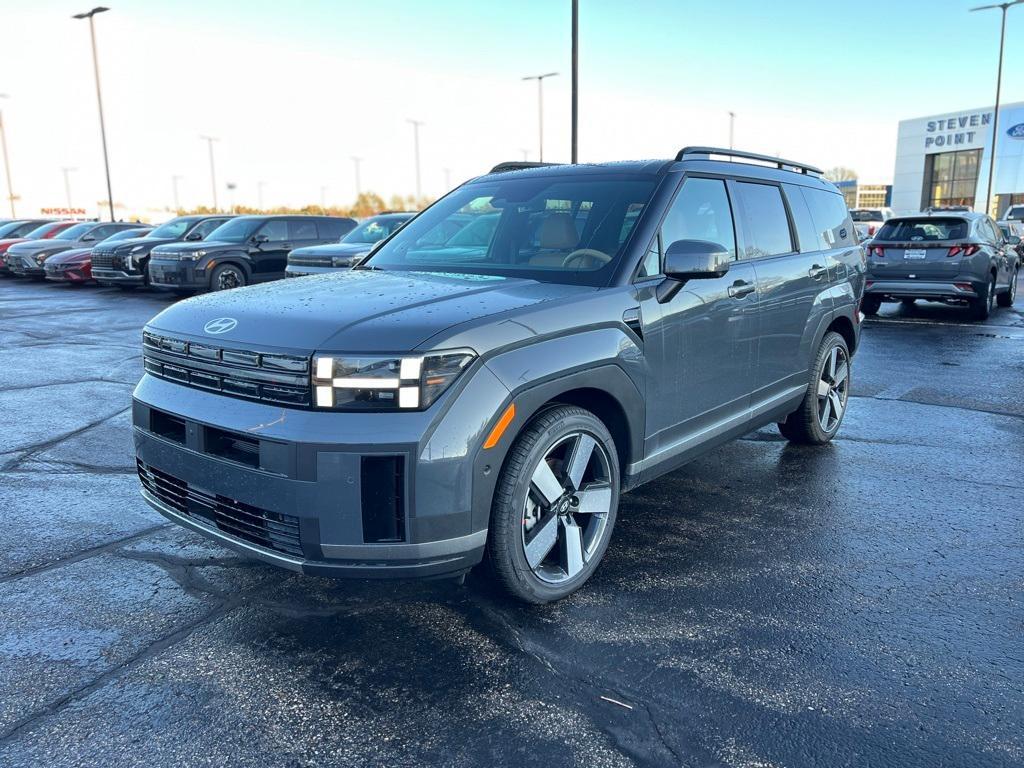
{"x":957,"y":258}
{"x":496,"y":394}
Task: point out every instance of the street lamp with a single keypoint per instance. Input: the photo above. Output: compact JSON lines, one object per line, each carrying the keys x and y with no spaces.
{"x":575,"y":76}
{"x":7,"y":162}
{"x":416,"y":148}
{"x":540,"y":105}
{"x":99,"y":97}
{"x":213,"y":171}
{"x":359,"y":188}
{"x":732,"y":126}
{"x":1004,"y":7}
{"x":67,"y":184}
{"x":231,"y":195}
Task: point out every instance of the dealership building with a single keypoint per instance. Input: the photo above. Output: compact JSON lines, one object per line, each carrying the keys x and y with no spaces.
{"x":944,"y":160}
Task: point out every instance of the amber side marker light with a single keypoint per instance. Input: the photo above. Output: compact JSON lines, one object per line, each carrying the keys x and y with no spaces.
{"x":501,"y":426}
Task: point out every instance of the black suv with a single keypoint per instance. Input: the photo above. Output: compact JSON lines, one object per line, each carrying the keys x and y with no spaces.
{"x":247,"y":249}
{"x":125,"y":263}
{"x":603,"y":325}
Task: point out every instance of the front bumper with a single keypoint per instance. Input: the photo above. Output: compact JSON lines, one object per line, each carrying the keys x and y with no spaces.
{"x":364,"y":495}
{"x":177,"y":275}
{"x":117,"y":277}
{"x":940,"y":290}
{"x":76,"y":273}
{"x":26,"y":267}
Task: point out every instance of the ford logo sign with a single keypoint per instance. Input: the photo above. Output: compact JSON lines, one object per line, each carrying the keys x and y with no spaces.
{"x":1016,"y":132}
{"x":220,"y":325}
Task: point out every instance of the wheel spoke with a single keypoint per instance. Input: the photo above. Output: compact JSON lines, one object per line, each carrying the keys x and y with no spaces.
{"x":581,"y":454}
{"x":544,"y":538}
{"x":546,"y":484}
{"x":833,"y":361}
{"x":842,"y":372}
{"x":837,"y":405}
{"x":823,"y":388}
{"x":595,"y":499}
{"x":573,"y":547}
{"x":826,"y":411}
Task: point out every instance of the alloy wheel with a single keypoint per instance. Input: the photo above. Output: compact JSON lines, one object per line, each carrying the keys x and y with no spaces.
{"x":228,"y":279}
{"x":833,"y":389}
{"x":565,"y":515}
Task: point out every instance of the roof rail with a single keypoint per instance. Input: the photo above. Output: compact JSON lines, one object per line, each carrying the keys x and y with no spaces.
{"x":517,"y":165}
{"x":704,"y":153}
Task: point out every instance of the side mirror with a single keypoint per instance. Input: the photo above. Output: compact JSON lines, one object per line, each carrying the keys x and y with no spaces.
{"x":88,"y":238}
{"x":261,"y":238}
{"x":691,"y":260}
{"x":193,"y":236}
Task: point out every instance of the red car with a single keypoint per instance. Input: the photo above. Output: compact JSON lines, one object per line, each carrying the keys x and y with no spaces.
{"x":44,"y":231}
{"x":75,"y":266}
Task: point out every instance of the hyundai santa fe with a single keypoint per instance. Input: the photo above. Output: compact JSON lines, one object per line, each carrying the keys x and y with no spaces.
{"x":441,"y":405}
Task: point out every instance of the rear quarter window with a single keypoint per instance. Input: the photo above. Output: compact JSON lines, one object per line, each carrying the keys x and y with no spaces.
{"x":831,"y":218}
{"x":299,"y":229}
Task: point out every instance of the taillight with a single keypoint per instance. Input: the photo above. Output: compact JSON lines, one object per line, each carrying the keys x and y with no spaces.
{"x":963,"y":250}
{"x":871,"y":229}
{"x":876,"y":250}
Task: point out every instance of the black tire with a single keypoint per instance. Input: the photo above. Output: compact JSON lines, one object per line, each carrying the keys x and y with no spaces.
{"x":806,"y":424}
{"x":909,"y":303}
{"x":1007,"y":299}
{"x":227,"y":276}
{"x":870,"y":305}
{"x":516,"y":493}
{"x":981,"y":307}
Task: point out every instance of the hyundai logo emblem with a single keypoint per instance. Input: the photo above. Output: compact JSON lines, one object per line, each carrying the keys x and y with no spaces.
{"x":220,"y":325}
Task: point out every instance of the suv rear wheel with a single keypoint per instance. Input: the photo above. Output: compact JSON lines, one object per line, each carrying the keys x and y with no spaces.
{"x":554,"y":506}
{"x":227,"y":276}
{"x":870,"y":305}
{"x":1007,"y":299}
{"x":981,"y":307}
{"x":817,"y":419}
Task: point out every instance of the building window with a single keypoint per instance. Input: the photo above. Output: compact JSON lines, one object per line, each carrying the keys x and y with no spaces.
{"x":951,"y":178}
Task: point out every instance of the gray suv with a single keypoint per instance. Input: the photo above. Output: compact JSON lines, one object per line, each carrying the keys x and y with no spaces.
{"x":953,"y":257}
{"x":440,"y":402}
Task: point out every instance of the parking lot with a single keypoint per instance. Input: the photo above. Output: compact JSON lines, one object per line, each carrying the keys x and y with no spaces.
{"x":766,"y":605}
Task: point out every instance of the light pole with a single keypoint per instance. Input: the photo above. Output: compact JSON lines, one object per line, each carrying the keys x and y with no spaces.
{"x":416,"y":148}
{"x":575,"y":75}
{"x":359,"y":187}
{"x":540,"y":106}
{"x":259,"y":194}
{"x":7,"y":162}
{"x":99,"y":98}
{"x":67,"y":184}
{"x":174,"y":187}
{"x":1004,"y":7}
{"x":213,"y":172}
{"x":231,"y":195}
{"x":732,"y":127}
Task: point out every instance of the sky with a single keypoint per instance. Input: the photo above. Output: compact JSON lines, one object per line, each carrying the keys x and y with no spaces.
{"x":294,"y":90}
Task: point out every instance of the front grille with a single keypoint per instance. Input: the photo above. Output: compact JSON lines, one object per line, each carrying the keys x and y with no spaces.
{"x":264,"y":376}
{"x":104,"y":259}
{"x":270,"y":530}
{"x":309,"y":261}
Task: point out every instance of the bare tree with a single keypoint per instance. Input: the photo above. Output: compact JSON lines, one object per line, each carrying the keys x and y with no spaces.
{"x":841,"y":173}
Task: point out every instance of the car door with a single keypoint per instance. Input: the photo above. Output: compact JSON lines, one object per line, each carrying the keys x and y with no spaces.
{"x":701,"y":344}
{"x":271,"y":252}
{"x":792,"y":286}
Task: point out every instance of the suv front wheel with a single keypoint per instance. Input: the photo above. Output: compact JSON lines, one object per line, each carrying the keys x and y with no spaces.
{"x":554,"y":505}
{"x":817,"y":419}
{"x":227,"y":276}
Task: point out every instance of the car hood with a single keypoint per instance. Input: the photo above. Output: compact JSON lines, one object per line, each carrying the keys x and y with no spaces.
{"x":191,"y":246}
{"x":131,"y":242}
{"x":53,"y":245}
{"x":75,"y":254}
{"x":355,"y":311}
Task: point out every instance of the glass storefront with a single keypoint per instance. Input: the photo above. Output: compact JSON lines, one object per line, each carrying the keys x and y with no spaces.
{"x":951,"y":178}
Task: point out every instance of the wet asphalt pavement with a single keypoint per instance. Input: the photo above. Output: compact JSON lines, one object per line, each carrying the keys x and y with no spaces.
{"x":860,"y":604}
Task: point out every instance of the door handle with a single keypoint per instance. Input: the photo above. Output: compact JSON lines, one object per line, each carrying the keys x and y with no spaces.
{"x":741,"y":288}
{"x":817,"y":271}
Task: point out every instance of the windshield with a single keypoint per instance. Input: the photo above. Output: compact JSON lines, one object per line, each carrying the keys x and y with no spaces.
{"x":75,"y":232}
{"x":372,"y":230}
{"x":172,"y":230}
{"x":41,"y":231}
{"x":866,"y":215}
{"x":11,"y":226}
{"x":923,"y":230}
{"x":552,"y":229}
{"x":1015,"y":212}
{"x":235,"y":231}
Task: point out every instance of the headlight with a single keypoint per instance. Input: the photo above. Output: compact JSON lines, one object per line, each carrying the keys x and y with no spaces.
{"x":341,"y":261}
{"x":376,"y":382}
{"x":193,"y":256}
{"x":40,"y":258}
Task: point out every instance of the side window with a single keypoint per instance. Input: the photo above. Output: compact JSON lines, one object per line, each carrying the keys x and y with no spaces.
{"x":276,"y":230}
{"x":992,"y":235}
{"x":701,"y":211}
{"x":204,"y":228}
{"x":331,"y":229}
{"x":767,"y":225}
{"x":102,"y":233}
{"x":806,"y":231}
{"x":301,"y":229}
{"x":832,"y":220}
